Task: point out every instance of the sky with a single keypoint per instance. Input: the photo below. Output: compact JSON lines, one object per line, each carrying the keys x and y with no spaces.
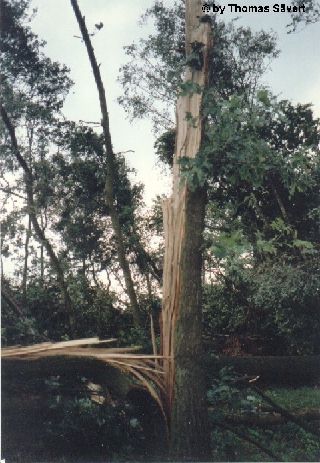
{"x":295,"y":75}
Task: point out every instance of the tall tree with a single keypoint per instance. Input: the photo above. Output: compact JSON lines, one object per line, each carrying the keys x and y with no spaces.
{"x":183,"y":224}
{"x":33,"y":90}
{"x":110,"y":172}
{"x":29,"y":185}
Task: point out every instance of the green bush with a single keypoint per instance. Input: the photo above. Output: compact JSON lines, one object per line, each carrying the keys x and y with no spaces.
{"x":96,"y":314}
{"x":79,"y":426}
{"x":278,"y":302}
{"x":22,"y":331}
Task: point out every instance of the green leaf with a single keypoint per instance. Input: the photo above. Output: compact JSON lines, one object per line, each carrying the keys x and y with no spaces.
{"x":302,"y":244}
{"x":189,"y":88}
{"x":263,"y":96}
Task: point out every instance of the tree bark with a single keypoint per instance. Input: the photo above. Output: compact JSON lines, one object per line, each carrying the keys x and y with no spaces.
{"x":110,"y":158}
{"x":183,"y":226}
{"x":43,"y":228}
{"x":25,"y":265}
{"x":34,"y":220}
{"x":189,"y":425}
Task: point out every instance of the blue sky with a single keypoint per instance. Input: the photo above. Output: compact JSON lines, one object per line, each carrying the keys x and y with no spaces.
{"x":295,"y":75}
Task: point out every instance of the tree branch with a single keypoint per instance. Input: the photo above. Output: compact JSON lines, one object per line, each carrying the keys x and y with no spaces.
{"x":285,"y":413}
{"x":279,"y":201}
{"x":110,"y":174}
{"x":251,"y":441}
{"x":10,"y":192}
{"x":14,"y":142}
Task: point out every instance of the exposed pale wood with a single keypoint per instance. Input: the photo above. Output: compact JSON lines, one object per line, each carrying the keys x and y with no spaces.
{"x":183,"y":216}
{"x":47,"y":346}
{"x":188,"y":141}
{"x":36,"y":354}
{"x":136,"y":365}
{"x":140,"y":366}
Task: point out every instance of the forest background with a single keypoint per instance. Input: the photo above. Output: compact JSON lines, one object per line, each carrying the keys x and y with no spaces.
{"x":261,"y":270}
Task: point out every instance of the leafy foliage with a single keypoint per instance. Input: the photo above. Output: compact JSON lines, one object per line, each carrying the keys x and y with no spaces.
{"x":153,"y":76}
{"x":164,"y":147}
{"x":25,"y":70}
{"x":309,"y":15}
{"x":83,"y":427}
{"x":278,"y":303}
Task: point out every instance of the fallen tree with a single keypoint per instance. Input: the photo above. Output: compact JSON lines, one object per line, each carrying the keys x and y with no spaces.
{"x":274,"y":370}
{"x":271,"y":419}
{"x":277,"y":370}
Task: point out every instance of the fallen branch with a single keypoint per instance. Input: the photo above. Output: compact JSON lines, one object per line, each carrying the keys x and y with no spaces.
{"x":285,"y":413}
{"x":251,"y":441}
{"x":272,"y":370}
{"x":271,"y":419}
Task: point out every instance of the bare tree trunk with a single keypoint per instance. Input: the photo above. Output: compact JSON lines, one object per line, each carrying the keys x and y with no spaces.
{"x":33,"y":217}
{"x":28,"y":232}
{"x":25,"y":266}
{"x":41,"y":264}
{"x":94,"y":275}
{"x":109,"y":193}
{"x":149,"y":288}
{"x":183,"y":226}
{"x":43,"y":227}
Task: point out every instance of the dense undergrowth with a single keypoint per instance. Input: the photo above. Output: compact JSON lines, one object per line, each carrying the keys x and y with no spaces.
{"x":65,"y":422}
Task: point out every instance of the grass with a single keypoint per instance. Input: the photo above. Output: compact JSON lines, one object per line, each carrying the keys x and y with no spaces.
{"x":303,"y":398}
{"x":286,"y":440}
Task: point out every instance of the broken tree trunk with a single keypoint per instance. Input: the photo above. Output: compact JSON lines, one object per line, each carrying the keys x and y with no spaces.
{"x":183,"y":216}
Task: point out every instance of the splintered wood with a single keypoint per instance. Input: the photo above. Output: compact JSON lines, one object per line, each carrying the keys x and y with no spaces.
{"x":189,"y":130}
{"x":140,"y":366}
